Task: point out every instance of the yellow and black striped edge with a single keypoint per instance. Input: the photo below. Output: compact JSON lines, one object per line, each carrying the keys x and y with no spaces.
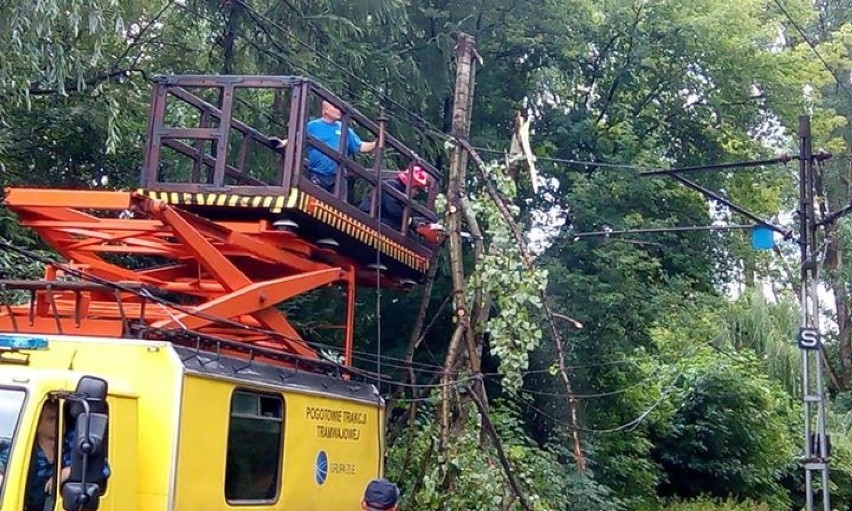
{"x":305,"y":203}
{"x":274,"y":203}
{"x":369,"y":236}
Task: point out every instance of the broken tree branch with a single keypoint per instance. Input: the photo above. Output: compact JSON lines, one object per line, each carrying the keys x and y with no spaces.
{"x":501,"y":454}
{"x":500,"y":202}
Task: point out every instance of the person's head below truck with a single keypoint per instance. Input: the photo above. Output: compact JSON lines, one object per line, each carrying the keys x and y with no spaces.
{"x":380,"y":495}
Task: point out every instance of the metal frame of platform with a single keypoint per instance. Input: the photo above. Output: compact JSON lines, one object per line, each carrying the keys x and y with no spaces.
{"x":237,"y":271}
{"x":224,"y":246}
{"x":221,"y":178}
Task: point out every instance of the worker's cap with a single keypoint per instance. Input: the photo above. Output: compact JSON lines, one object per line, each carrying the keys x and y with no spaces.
{"x":381,"y":494}
{"x":419,"y":177}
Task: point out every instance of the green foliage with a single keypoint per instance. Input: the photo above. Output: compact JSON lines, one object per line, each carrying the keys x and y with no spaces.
{"x":705,"y":504}
{"x":649,"y":83}
{"x":513,"y":288}
{"x":54,"y":44}
{"x":730,"y":434}
{"x":768,"y":330}
{"x":478,"y":482}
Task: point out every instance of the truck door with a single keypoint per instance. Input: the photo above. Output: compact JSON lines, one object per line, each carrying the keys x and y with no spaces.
{"x":122,"y":490}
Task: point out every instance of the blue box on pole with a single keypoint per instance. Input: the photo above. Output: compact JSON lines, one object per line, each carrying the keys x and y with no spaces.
{"x":762,"y":238}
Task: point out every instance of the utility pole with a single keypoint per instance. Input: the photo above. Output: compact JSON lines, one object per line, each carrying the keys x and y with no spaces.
{"x":466,"y":312}
{"x":813,"y":386}
{"x":462,"y":106}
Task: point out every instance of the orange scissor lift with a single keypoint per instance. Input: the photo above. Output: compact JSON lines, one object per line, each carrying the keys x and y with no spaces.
{"x":224,"y":228}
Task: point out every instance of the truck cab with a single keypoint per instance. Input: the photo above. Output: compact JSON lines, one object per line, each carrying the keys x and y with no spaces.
{"x":55,"y":436}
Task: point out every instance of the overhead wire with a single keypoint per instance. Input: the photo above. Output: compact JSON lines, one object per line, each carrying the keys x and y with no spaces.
{"x":692,"y":352}
{"x":588,"y":163}
{"x":813,"y":47}
{"x":628,"y":426}
{"x":633,"y":423}
{"x":168,"y":306}
{"x":378,"y":204}
{"x":495,"y":376}
{"x":372,"y":88}
{"x":399,"y":363}
{"x":593,"y":395}
{"x":672,"y":229}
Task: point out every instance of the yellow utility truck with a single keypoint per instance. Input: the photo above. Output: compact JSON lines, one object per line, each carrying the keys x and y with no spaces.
{"x":185,"y":429}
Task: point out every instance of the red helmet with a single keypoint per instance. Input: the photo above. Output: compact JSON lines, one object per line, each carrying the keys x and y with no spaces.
{"x":420,"y":179}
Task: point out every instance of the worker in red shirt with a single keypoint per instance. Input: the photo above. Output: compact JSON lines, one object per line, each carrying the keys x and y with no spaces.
{"x":391,"y":207}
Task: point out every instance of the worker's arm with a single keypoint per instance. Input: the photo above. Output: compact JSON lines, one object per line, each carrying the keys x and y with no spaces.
{"x":354,"y":144}
{"x":278,"y":143}
{"x":65,"y":473}
{"x":63,"y":476}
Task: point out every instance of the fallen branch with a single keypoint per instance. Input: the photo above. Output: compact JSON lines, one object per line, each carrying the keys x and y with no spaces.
{"x":501,"y":454}
{"x":500,"y":202}
{"x":418,"y":331}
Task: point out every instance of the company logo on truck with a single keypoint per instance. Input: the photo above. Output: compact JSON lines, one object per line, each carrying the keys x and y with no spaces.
{"x":321,"y":468}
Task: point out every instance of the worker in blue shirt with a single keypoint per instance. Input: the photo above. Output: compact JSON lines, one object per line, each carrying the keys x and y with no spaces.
{"x":43,"y":463}
{"x":322,"y":170}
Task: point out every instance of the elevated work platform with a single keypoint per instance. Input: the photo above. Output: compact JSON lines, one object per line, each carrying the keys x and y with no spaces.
{"x":200,"y":156}
{"x":225,"y":225}
{"x":228,"y":276}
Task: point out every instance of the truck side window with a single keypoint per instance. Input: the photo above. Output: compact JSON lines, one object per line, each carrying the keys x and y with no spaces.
{"x":42,"y":471}
{"x":255,"y":447}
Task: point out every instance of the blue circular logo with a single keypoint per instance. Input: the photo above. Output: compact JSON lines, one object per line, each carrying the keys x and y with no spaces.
{"x":321,"y":469}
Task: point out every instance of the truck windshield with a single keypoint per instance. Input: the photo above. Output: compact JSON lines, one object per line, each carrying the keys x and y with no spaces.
{"x":11,"y":402}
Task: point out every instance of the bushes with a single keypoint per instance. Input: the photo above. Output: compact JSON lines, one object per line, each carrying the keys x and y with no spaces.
{"x":730,"y":436}
{"x":706,"y":504}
